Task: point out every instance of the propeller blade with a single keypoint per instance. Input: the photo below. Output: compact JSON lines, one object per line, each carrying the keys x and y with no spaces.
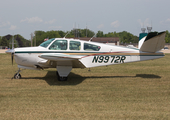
{"x":12,"y":54}
{"x":12,"y":57}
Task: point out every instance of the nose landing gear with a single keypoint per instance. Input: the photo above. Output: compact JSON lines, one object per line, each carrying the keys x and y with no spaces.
{"x":17,"y":75}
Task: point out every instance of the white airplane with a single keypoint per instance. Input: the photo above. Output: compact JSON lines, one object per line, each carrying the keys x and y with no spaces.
{"x":65,"y":54}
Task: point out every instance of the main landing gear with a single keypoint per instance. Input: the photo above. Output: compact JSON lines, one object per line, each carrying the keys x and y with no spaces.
{"x":61,"y":78}
{"x":17,"y":75}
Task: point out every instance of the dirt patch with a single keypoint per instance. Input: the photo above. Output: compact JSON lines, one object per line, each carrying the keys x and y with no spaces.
{"x":165,"y":51}
{"x":2,"y":50}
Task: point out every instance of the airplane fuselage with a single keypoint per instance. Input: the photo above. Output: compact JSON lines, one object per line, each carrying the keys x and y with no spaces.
{"x":107,"y":55}
{"x":65,"y":54}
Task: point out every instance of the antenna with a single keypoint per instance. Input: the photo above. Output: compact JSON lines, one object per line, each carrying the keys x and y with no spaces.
{"x":35,"y":38}
{"x":66,"y":34}
{"x":143,"y":30}
{"x":31,"y":39}
{"x":92,"y":37}
{"x":13,"y":42}
{"x":75,"y":31}
{"x":149,"y":29}
{"x":86,"y":30}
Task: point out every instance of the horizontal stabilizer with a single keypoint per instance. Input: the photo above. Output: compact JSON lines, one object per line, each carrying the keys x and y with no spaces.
{"x":153,"y":42}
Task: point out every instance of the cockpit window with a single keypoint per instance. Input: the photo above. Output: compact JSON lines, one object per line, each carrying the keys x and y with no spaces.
{"x":59,"y":45}
{"x":46,"y":43}
{"x":91,"y":47}
{"x":75,"y":45}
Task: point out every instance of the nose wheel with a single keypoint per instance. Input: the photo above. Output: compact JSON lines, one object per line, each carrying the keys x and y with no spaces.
{"x":17,"y":75}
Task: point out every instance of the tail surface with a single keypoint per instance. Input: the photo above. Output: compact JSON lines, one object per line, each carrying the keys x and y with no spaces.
{"x":152,"y":42}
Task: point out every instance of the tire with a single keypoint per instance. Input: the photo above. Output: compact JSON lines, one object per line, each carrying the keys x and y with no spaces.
{"x":61,"y":78}
{"x":17,"y":76}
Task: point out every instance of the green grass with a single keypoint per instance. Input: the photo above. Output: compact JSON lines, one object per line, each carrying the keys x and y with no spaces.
{"x":138,"y":90}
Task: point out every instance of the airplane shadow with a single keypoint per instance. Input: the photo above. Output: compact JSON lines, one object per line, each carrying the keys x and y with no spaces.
{"x":74,"y":79}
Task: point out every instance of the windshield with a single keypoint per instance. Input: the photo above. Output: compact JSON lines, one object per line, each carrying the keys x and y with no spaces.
{"x":59,"y":45}
{"x":46,"y":43}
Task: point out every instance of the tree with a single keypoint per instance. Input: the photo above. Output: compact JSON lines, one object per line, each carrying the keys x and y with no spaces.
{"x":90,"y":33}
{"x":41,"y":35}
{"x":127,"y":37}
{"x":61,"y":33}
{"x":167,"y":37}
{"x":100,"y":34}
{"x":4,"y":42}
{"x":0,"y":39}
{"x":111,"y":34}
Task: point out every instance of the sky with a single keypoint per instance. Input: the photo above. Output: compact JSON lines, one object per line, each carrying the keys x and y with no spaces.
{"x":26,"y":16}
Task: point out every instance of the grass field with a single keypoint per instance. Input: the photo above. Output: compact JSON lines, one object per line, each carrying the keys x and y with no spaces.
{"x":138,"y":90}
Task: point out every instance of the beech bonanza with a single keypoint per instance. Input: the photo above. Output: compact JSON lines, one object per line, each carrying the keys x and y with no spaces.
{"x":65,"y":54}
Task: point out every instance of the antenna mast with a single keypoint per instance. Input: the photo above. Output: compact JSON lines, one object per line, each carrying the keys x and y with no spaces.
{"x":66,"y":34}
{"x":35,"y":38}
{"x":31,"y":39}
{"x":92,"y":37}
{"x":13,"y":42}
{"x":86,"y":29}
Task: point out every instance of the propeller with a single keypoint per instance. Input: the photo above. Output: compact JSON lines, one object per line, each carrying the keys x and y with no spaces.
{"x":12,"y":57}
{"x":12,"y":51}
{"x":12,"y":54}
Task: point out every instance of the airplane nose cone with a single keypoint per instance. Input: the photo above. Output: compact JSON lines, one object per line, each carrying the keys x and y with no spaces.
{"x":10,"y":51}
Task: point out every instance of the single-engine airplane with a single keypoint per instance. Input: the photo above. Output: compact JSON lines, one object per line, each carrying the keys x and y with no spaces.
{"x":65,"y":54}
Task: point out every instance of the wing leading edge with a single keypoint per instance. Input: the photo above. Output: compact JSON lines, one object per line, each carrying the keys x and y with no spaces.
{"x":59,"y":56}
{"x":63,"y":59}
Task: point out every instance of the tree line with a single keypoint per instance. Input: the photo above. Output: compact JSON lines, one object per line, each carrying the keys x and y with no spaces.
{"x":125,"y":37}
{"x":19,"y":41}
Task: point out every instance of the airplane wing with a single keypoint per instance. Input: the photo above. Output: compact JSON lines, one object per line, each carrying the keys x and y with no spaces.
{"x":62,"y":59}
{"x":59,"y":56}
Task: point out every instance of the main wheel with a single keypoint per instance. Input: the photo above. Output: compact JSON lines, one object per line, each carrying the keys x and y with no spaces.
{"x":17,"y":76}
{"x":61,"y":78}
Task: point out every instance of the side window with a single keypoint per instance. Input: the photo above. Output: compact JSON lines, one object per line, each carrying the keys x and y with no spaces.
{"x":59,"y":45}
{"x":75,"y":45}
{"x":91,"y":47}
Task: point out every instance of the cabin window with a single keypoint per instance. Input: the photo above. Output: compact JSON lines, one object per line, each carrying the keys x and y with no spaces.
{"x":59,"y":45}
{"x":75,"y":45}
{"x":46,"y":43}
{"x":91,"y":47}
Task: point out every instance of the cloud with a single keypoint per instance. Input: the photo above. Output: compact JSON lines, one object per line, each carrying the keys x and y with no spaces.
{"x":55,"y":27}
{"x":32,"y":20}
{"x":100,"y":26}
{"x":115,"y":24}
{"x":13,"y":27}
{"x":3,"y":24}
{"x":50,"y":21}
{"x":167,"y":21}
{"x":146,"y":23}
